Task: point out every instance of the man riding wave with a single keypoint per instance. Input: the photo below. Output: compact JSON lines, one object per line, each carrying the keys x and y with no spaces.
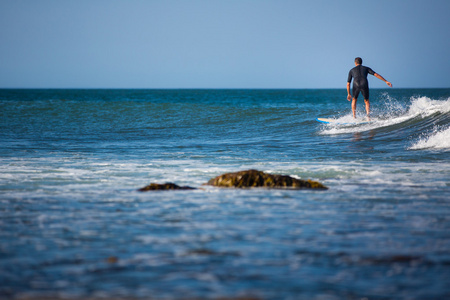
{"x":361,"y":85}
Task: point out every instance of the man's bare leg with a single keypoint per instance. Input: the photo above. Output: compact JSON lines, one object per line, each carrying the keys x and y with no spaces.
{"x":354,"y":107}
{"x":367,"y":108}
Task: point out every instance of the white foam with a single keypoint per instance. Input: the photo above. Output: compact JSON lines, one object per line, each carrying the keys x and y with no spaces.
{"x":438,"y":139}
{"x":424,"y":106}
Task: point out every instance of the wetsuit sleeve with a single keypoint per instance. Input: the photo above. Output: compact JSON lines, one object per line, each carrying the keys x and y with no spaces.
{"x":349,"y":76}
{"x":370,"y":71}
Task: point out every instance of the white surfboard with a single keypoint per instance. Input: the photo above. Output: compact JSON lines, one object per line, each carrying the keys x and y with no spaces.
{"x":337,"y":122}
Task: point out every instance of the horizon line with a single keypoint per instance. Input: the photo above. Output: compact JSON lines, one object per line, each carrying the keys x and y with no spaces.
{"x":199,"y":88}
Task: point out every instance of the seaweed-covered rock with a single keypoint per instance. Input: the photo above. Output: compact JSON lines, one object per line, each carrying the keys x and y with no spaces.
{"x":164,"y":187}
{"x":255,"y":178}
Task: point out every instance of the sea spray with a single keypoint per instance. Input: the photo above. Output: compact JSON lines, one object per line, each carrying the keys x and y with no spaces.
{"x":388,"y":107}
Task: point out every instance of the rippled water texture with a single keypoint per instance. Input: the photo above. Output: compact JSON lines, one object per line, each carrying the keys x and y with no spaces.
{"x":73,"y":225}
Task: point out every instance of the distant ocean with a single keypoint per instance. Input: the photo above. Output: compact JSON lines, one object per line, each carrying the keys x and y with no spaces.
{"x":74,"y":226}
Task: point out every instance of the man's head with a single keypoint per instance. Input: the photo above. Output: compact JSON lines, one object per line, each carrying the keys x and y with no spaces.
{"x":358,"y":61}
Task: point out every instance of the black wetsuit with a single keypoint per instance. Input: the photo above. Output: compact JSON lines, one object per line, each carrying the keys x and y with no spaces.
{"x":360,"y":83}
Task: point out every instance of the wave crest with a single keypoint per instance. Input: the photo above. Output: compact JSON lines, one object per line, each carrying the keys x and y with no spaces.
{"x":424,"y":106}
{"x":438,"y":139}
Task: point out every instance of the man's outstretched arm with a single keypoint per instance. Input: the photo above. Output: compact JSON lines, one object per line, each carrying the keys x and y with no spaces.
{"x":381,"y":78}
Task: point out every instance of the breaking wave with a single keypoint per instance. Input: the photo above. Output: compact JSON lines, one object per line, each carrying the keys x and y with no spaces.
{"x":425,"y":121}
{"x":438,"y":139}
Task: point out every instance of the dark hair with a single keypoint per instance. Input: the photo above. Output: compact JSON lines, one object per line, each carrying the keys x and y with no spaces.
{"x":358,"y":60}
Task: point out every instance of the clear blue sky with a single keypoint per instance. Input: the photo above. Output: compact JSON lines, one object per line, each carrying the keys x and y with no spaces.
{"x":221,"y":44}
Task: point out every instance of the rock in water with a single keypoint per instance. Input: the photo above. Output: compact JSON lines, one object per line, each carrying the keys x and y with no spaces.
{"x":164,"y":187}
{"x":245,"y":179}
{"x":255,"y":178}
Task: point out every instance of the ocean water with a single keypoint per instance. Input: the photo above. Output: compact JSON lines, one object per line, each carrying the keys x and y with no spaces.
{"x":74,"y":226}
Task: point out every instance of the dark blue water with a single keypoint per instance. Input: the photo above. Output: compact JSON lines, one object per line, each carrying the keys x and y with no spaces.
{"x":73,"y":225}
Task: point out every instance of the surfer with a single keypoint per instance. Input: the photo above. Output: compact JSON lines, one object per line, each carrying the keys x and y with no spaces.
{"x":361,"y":85}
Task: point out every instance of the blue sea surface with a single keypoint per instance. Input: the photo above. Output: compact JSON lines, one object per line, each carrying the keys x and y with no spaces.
{"x":73,"y":224}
